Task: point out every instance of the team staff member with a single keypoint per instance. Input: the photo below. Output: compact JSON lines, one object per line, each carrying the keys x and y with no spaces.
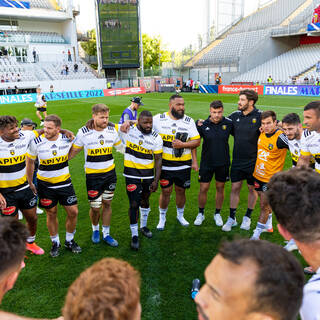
{"x":41,"y":105}
{"x":294,"y":196}
{"x":272,"y":150}
{"x":101,"y":178}
{"x":54,"y":183}
{"x":215,"y":159}
{"x":143,"y":153}
{"x":246,"y":122}
{"x":173,"y":127}
{"x":131,"y":112}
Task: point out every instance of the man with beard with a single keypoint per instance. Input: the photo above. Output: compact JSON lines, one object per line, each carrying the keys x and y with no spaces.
{"x":143,"y":152}
{"x":179,"y":135}
{"x":130,"y":113}
{"x":54,"y":183}
{"x":101,"y":177}
{"x":246,"y":122}
{"x":251,"y":280}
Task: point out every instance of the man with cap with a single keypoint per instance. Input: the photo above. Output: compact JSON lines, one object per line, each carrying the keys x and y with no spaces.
{"x":130,"y":113}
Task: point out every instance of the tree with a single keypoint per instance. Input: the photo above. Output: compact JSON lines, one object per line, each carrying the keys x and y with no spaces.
{"x":90,"y":46}
{"x":152,"y":50}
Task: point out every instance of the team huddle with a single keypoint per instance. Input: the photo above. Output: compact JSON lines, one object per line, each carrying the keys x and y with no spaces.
{"x":159,"y":149}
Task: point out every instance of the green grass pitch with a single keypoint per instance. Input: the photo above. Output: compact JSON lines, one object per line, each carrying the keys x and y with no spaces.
{"x":171,"y":259}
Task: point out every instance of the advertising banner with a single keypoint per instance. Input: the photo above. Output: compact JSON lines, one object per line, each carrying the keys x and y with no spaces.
{"x":308,"y":91}
{"x":123,"y":91}
{"x":230,"y":89}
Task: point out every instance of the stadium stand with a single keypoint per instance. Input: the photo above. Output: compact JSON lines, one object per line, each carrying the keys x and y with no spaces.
{"x":291,"y":63}
{"x":30,"y":37}
{"x":41,"y":4}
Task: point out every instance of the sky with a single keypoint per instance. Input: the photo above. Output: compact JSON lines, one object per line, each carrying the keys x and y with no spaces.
{"x":178,"y":22}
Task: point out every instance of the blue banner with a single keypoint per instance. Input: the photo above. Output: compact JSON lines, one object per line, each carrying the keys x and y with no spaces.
{"x":15,"y":4}
{"x":307,"y":91}
{"x":209,"y":89}
{"x":51,"y":96}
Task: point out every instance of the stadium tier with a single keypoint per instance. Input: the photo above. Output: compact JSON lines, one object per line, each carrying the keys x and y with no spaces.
{"x":291,"y":63}
{"x":30,"y":37}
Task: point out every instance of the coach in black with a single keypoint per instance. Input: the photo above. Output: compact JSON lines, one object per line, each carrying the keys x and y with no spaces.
{"x":246,"y":122}
{"x":215,"y":158}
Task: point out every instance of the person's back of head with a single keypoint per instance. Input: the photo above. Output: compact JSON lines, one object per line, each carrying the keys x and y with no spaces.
{"x":109,"y":289}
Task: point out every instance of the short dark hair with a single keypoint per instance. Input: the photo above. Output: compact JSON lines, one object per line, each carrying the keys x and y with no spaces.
{"x":294,"y":196}
{"x":175,"y":96}
{"x":145,"y":113}
{"x":13,"y":237}
{"x":291,"y":118}
{"x":100,"y":107}
{"x":314,"y":105}
{"x":216,"y":104}
{"x":279,"y":281}
{"x":7,"y":120}
{"x":267,"y":114}
{"x":55,"y":119}
{"x":250,"y":94}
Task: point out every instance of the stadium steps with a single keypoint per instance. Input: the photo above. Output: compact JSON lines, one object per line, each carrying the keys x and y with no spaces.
{"x":47,"y":73}
{"x":303,"y":7}
{"x":306,"y":72}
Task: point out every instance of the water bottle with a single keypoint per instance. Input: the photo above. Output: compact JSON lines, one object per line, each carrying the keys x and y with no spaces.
{"x":195,"y":288}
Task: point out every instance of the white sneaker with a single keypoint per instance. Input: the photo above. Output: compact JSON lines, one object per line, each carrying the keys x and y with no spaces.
{"x":256,"y":235}
{"x":41,"y":123}
{"x":199,"y":219}
{"x":162,"y":223}
{"x":20,"y":215}
{"x":291,"y":245}
{"x":218,"y":220}
{"x":183,"y":221}
{"x":39,"y":211}
{"x":229,"y":224}
{"x":246,"y":222}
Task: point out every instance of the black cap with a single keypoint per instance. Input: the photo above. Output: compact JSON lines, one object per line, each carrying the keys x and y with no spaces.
{"x":28,"y":122}
{"x":137,"y":100}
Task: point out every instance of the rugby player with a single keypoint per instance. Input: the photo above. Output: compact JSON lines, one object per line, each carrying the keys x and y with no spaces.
{"x":100,"y":171}
{"x":54,"y":183}
{"x":130,"y":113}
{"x":41,"y":105}
{"x":272,"y":150}
{"x":143,"y":152}
{"x":253,"y":280}
{"x":292,"y":128}
{"x":215,"y":159}
{"x":294,"y":196}
{"x":173,"y":127}
{"x":246,"y":121}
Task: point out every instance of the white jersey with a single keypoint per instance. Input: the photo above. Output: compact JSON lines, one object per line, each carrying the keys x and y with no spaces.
{"x":310,"y":309}
{"x":53,"y":160}
{"x":40,"y":101}
{"x":138,"y":157}
{"x":98,"y":147}
{"x":13,"y":162}
{"x":310,"y":146}
{"x":167,"y":129}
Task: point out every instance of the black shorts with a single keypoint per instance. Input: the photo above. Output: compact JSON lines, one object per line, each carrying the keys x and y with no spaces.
{"x":98,"y":183}
{"x":180,"y":178}
{"x":260,"y":186}
{"x":240,"y":174}
{"x":19,"y":200}
{"x":221,"y":174}
{"x":49,"y":198}
{"x":41,"y":109}
{"x":136,"y":188}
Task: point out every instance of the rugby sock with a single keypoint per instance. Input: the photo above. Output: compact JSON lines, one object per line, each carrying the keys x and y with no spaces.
{"x":144,"y":212}
{"x":95,"y":228}
{"x":180,"y":212}
{"x":163,"y":211}
{"x":233,"y":213}
{"x":31,"y":239}
{"x":217,"y":211}
{"x":249,"y":212}
{"x":134,"y":229}
{"x":201,"y":210}
{"x":55,"y":239}
{"x":105,"y":231}
{"x":269,"y":222}
{"x":69,"y":236}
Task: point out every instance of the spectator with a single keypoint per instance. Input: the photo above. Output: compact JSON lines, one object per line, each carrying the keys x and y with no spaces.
{"x":306,"y":80}
{"x":51,"y":88}
{"x":5,"y":52}
{"x":317,"y":82}
{"x":85,"y":69}
{"x":297,"y":192}
{"x":69,"y":56}
{"x":67,"y":69}
{"x":312,"y":80}
{"x":34,"y":53}
{"x":107,"y":290}
{"x":2,"y":79}
{"x":18,"y":77}
{"x":75,"y":67}
{"x":16,"y":90}
{"x":9,"y":90}
{"x":251,"y":280}
{"x":13,"y":78}
{"x":7,"y":78}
